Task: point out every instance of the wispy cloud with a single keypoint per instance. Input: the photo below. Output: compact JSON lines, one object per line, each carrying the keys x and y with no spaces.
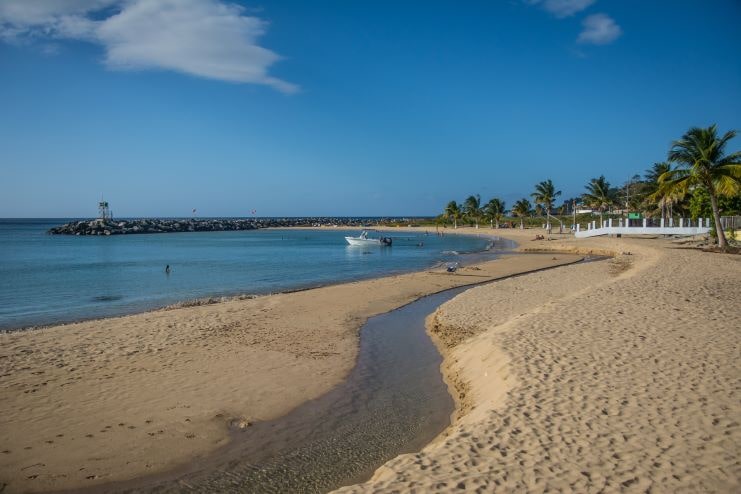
{"x":562,"y":8}
{"x":599,"y":29}
{"x":206,"y":38}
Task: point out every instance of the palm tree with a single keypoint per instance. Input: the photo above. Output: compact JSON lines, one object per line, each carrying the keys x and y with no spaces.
{"x":598,"y":195}
{"x":653,"y":196}
{"x":522,"y":208}
{"x":662,"y":198}
{"x":702,"y":162}
{"x":452,"y":211}
{"x":634,"y":191}
{"x":545,"y":194}
{"x":472,"y":208}
{"x":494,"y":210}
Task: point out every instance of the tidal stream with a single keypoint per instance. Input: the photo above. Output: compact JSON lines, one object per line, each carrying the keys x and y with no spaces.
{"x":394,"y":401}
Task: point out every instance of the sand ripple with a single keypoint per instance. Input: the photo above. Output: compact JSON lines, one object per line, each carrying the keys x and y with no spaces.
{"x":622,"y":376}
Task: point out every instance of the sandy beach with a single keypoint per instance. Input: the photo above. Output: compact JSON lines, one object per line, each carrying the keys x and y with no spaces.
{"x":311,"y":247}
{"x":620,"y":375}
{"x":617,"y":376}
{"x":99,"y":401}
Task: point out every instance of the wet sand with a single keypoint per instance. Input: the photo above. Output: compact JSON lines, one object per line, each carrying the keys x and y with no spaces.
{"x":107,"y":400}
{"x":619,"y":376}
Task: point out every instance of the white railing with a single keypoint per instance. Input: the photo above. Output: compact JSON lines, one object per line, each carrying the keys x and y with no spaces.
{"x":732,"y":222}
{"x":608,"y":227}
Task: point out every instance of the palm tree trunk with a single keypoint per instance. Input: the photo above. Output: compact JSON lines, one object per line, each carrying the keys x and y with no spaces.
{"x":455,"y":223}
{"x":522,"y":223}
{"x":716,"y":216}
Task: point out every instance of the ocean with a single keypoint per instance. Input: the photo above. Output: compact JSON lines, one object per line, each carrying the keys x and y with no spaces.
{"x":48,"y":279}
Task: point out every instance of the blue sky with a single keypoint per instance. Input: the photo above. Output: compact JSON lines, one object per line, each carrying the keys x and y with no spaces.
{"x":347,"y":108}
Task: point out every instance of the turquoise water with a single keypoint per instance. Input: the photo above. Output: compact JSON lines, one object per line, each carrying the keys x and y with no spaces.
{"x":47,"y":279}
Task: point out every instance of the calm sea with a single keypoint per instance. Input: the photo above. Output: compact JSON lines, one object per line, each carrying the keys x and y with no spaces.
{"x":46,"y":279}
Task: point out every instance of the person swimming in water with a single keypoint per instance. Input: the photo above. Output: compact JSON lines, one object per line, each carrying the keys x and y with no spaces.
{"x":167,"y":269}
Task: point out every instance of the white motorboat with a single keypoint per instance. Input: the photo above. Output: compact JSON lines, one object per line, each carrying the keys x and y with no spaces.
{"x":363,"y":239}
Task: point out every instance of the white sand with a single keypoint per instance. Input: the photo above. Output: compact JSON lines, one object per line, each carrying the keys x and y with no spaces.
{"x":88,"y":403}
{"x":621,"y":376}
{"x":615,"y":376}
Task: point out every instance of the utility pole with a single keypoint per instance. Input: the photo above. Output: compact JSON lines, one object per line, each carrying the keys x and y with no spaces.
{"x":627,"y":202}
{"x":573,"y":207}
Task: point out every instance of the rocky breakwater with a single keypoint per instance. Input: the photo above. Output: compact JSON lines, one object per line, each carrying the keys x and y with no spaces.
{"x":154,"y":225}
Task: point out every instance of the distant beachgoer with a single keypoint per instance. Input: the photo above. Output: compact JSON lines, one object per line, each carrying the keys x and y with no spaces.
{"x":167,"y":269}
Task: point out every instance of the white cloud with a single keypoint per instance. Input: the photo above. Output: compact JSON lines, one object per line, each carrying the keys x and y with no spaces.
{"x":206,"y":38}
{"x":562,"y":8}
{"x":599,"y":29}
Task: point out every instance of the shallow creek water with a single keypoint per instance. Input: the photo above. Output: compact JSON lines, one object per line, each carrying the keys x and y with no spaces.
{"x":394,"y":401}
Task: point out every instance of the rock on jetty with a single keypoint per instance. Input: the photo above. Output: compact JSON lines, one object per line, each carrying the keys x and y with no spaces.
{"x":132,"y":226}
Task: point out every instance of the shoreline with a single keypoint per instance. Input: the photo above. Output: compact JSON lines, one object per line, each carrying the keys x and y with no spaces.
{"x":239,"y":295}
{"x":227,"y":453}
{"x":489,"y":354}
{"x":250,"y":372}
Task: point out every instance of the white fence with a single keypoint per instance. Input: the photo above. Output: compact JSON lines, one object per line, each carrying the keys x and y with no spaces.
{"x":683,"y":227}
{"x":732,"y":222}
